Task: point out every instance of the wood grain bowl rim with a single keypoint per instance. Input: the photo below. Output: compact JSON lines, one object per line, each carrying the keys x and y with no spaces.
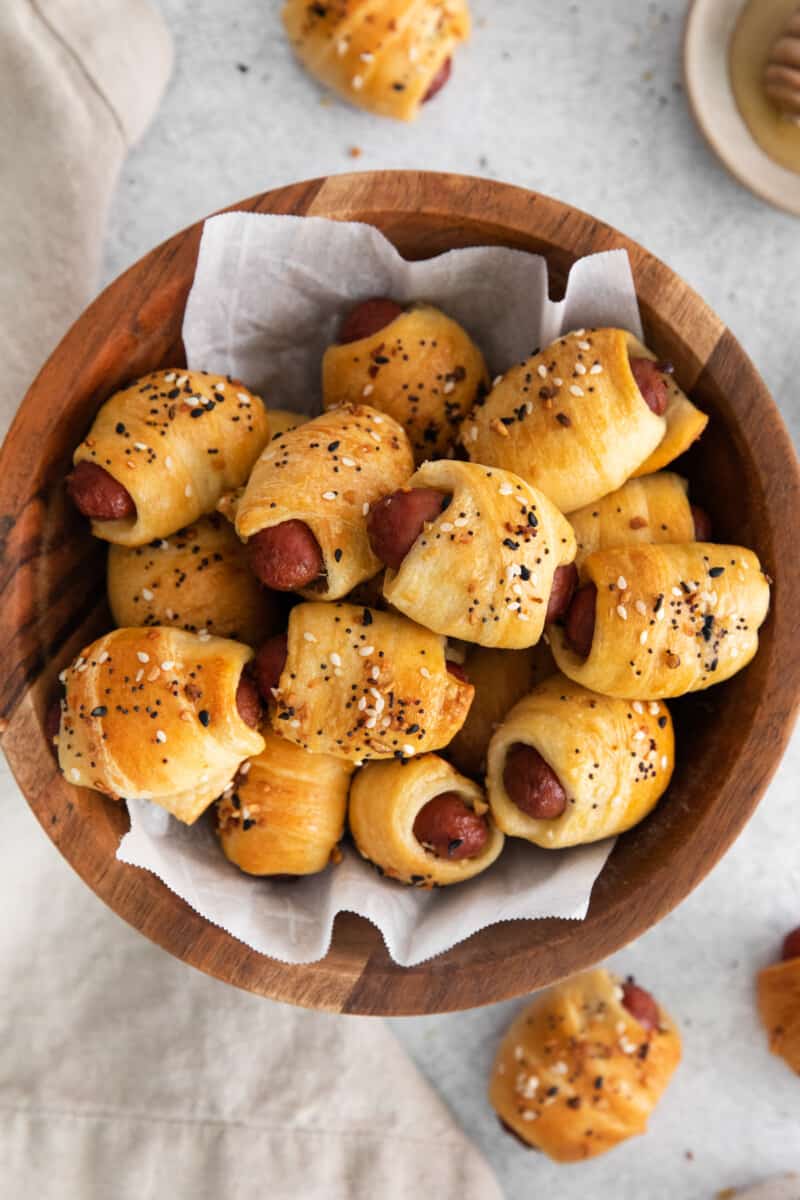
{"x":357,"y":976}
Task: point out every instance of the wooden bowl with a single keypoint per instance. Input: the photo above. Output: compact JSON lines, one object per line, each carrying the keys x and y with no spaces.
{"x":730,"y":738}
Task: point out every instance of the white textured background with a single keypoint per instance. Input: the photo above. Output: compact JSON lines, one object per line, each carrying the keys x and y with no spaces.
{"x":583,"y":101}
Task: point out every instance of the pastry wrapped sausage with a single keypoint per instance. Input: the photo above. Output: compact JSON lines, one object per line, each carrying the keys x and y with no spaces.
{"x":197,"y":579}
{"x":500,"y":679}
{"x":421,"y":822}
{"x":483,"y":567}
{"x":573,"y":420}
{"x":303,"y":510}
{"x":654,"y":508}
{"x":363,"y":684}
{"x":163,"y":451}
{"x":778,"y":988}
{"x":159,"y":714}
{"x":659,"y":621}
{"x":415,"y":364}
{"x":568,"y":766}
{"x":284,"y":815}
{"x":685,"y":422}
{"x":388,"y":56}
{"x":582,"y":1067}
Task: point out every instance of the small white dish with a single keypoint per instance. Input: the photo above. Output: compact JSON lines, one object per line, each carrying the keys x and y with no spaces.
{"x":709,"y":26}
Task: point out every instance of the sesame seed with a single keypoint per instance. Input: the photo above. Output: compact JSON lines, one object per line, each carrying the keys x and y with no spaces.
{"x":449,"y":387}
{"x":62,"y":677}
{"x":329,"y":495}
{"x":622,"y":583}
{"x":376,"y":437}
{"x":367,"y":390}
{"x":362,"y":704}
{"x":168,"y":463}
{"x":309,"y":637}
{"x":170,"y":378}
{"x":676,"y":591}
{"x":295,"y":724}
{"x":664,"y":762}
{"x":583,"y":345}
{"x":365,"y":651}
{"x":506,"y":489}
{"x":637,"y":706}
{"x":168,"y":665}
{"x":243,"y":398}
{"x":187,"y":491}
{"x":143,"y":656}
{"x":622,"y":612}
{"x":341,"y":47}
{"x":408,"y":750}
{"x":375,"y":673}
{"x":473,"y":433}
{"x":514,"y":606}
{"x":558,"y":382}
{"x":529,"y":1115}
{"x":542,"y":371}
{"x":139,"y":446}
{"x":139,"y":675}
{"x":575,"y":390}
{"x":654,"y":708}
{"x":181,"y":380}
{"x":424,"y":672}
{"x":596,"y":369}
{"x":160,"y":735}
{"x":219,"y":386}
{"x":446,"y":527}
{"x":365,"y":508}
{"x":357,"y":82}
{"x":580,"y":369}
{"x":641,"y":607}
{"x":348,"y":462}
{"x":643,"y":636}
{"x":497,"y":379}
{"x":639,"y":736}
{"x":74,"y":774}
{"x":460,"y":522}
{"x":366,"y":56}
{"x":147,"y":594}
{"x":521,"y":616}
{"x":103,"y":657}
{"x":372,"y":722}
{"x":336,"y":660}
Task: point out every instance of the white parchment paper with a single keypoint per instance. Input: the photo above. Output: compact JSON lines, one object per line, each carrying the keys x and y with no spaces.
{"x":267,"y":298}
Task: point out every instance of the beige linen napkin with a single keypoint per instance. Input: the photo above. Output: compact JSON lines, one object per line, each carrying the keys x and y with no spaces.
{"x":124,"y":1073}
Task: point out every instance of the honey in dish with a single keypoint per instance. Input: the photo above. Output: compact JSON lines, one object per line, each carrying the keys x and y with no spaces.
{"x":760,"y":25}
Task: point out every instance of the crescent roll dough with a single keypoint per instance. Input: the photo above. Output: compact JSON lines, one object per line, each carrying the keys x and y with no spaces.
{"x":571,"y":420}
{"x":382,"y":55}
{"x":613,"y":758}
{"x":364,"y":684}
{"x":576,"y":1073}
{"x":482,"y":571}
{"x":685,"y":423}
{"x":197,"y":579}
{"x":654,"y":508}
{"x":385,"y":800}
{"x":500,"y":679}
{"x":285,"y":813}
{"x":151,"y":714}
{"x":176,"y":440}
{"x":326,"y":473}
{"x":778,"y":987}
{"x":669,"y":619}
{"x":423,"y":369}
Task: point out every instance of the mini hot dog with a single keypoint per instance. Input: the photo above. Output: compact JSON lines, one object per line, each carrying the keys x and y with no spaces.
{"x":662,"y":620}
{"x":389,"y":56}
{"x":163,"y":451}
{"x":474,"y":553}
{"x":414,"y":363}
{"x":303,"y":511}
{"x":582,"y":1067}
{"x":422,"y":823}
{"x":567,"y":766}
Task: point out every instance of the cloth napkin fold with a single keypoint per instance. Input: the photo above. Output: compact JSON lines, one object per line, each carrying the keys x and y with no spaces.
{"x":123,"y":1072}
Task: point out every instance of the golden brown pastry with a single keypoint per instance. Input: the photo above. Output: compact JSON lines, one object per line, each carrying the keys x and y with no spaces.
{"x":156,"y":714}
{"x":500,"y":679}
{"x":659,"y":621}
{"x":483,"y":569}
{"x":196,"y":579}
{"x":284,"y":815}
{"x":653,"y":508}
{"x":685,"y":422}
{"x":360,"y":684}
{"x":418,"y":365}
{"x":388,"y":56}
{"x":163,"y":451}
{"x":779,"y":1002}
{"x":303,"y":512}
{"x":573,"y":420}
{"x":568,"y":766}
{"x":582,"y":1067}
{"x":421,"y":822}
